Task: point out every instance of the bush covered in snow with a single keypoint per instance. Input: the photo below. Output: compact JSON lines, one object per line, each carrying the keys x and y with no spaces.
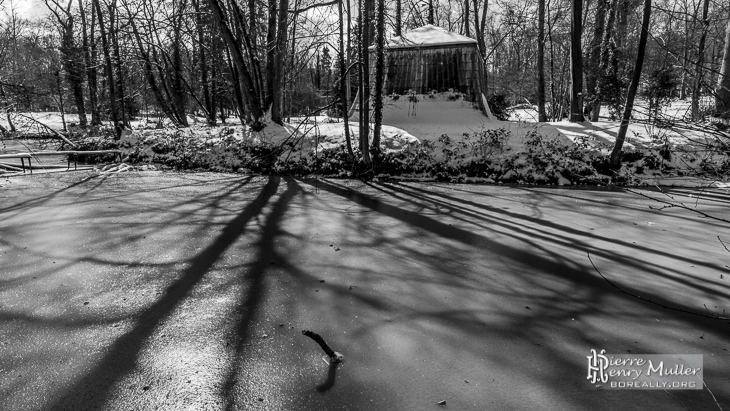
{"x":485,"y":155}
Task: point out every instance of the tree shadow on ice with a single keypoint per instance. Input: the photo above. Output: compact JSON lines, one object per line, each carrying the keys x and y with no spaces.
{"x":551,"y":289}
{"x":121,"y":356}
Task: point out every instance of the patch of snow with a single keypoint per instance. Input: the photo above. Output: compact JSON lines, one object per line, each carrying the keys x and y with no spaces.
{"x":562,"y":181}
{"x":430,"y":116}
{"x":428,"y":35}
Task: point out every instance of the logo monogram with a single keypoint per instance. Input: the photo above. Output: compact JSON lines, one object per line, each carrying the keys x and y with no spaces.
{"x":597,"y":364}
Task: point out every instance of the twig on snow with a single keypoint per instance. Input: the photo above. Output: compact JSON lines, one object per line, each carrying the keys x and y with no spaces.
{"x":335,"y":357}
{"x":713,"y":317}
{"x":703,"y":190}
{"x":723,"y":244}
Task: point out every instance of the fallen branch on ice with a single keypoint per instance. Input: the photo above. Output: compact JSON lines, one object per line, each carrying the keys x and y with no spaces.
{"x":335,"y":357}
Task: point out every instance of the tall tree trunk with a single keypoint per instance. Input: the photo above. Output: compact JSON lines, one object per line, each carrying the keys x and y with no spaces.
{"x":278,"y":72}
{"x":398,"y":14}
{"x":179,"y":96}
{"x":4,"y":130}
{"x":576,"y":62}
{"x":430,"y":12}
{"x":722,"y":96}
{"x":109,"y":68}
{"x":61,"y":106}
{"x":293,"y":75}
{"x":542,"y":116}
{"x":621,"y":137}
{"x":594,"y":71}
{"x":245,"y":80}
{"x":477,"y":28}
{"x":697,"y":86}
{"x":483,"y":23}
{"x":162,"y":102}
{"x":343,"y":80}
{"x":270,"y":52}
{"x":554,"y":115}
{"x":70,"y":55}
{"x":365,"y":82}
{"x":349,"y":51}
{"x":685,"y":60}
{"x":607,"y":51}
{"x":248,"y":43}
{"x":6,"y":109}
{"x":87,"y":35}
{"x":379,"y":75}
{"x":74,"y":70}
{"x":117,"y":58}
{"x":203,"y":62}
{"x":622,"y":21}
{"x":214,"y":85}
{"x":466,"y":18}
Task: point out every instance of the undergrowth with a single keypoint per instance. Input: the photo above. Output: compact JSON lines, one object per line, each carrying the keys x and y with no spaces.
{"x":483,"y":156}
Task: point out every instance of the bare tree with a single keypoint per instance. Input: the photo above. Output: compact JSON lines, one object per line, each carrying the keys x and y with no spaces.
{"x":365,"y":25}
{"x":70,"y":53}
{"x":542,"y":116}
{"x":594,"y":60}
{"x":343,"y":81}
{"x":260,"y":92}
{"x":179,"y":95}
{"x":722,"y":96}
{"x":576,"y":62}
{"x":88,"y":44}
{"x":700,"y":63}
{"x":109,"y":69}
{"x":208,"y":95}
{"x":379,"y":75}
{"x":621,"y":137}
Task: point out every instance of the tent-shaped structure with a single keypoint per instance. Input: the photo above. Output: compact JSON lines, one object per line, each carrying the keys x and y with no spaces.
{"x":431,"y":58}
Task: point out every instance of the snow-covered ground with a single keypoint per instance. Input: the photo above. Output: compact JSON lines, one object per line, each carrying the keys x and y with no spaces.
{"x":423,"y":121}
{"x":639,"y":134}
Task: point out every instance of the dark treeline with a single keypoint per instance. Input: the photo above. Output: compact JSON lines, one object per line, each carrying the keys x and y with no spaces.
{"x":263,"y":61}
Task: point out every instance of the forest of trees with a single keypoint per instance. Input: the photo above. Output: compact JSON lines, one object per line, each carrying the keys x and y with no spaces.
{"x":265,"y":60}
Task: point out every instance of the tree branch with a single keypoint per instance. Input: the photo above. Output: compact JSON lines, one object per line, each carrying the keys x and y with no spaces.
{"x":680,"y":205}
{"x":302,"y":10}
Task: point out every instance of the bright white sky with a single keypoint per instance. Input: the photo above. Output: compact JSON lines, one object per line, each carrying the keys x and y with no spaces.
{"x":29,"y":9}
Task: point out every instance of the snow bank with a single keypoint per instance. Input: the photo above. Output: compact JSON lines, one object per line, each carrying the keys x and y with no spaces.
{"x":428,"y":35}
